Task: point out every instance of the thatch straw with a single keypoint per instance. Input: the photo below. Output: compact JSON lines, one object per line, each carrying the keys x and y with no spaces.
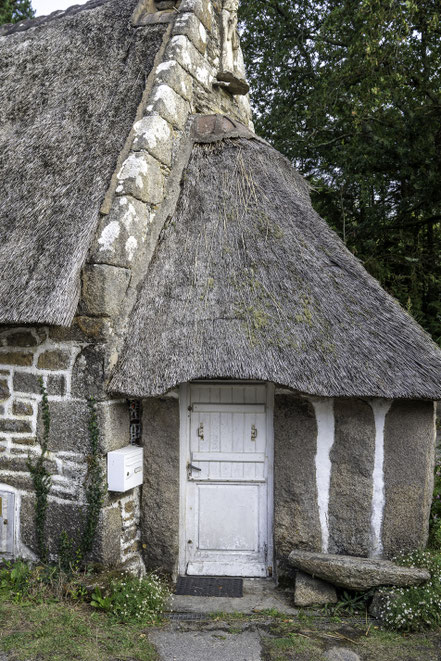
{"x":248,"y":282}
{"x":70,"y":87}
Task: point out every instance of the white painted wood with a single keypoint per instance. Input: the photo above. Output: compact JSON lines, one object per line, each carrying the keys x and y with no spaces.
{"x":254,"y":457}
{"x":227,"y":516}
{"x":233,"y":408}
{"x":7,"y":523}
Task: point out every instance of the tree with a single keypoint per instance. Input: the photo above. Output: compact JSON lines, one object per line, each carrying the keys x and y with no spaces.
{"x":13,"y":11}
{"x":350,"y":91}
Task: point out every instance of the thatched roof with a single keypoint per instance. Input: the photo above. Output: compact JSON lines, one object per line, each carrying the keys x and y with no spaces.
{"x":70,"y":85}
{"x":248,"y":282}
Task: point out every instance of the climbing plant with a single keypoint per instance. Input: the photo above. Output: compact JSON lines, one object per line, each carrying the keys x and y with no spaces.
{"x":94,"y":483}
{"x":41,"y":477}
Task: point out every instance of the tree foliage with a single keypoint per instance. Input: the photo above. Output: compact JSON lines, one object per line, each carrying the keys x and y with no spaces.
{"x":350,"y":91}
{"x":13,"y":11}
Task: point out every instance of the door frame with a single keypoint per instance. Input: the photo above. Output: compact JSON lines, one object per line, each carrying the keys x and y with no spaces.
{"x":184,"y":447}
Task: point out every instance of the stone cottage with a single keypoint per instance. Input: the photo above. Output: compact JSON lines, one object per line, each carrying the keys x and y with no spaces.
{"x":159,"y":256}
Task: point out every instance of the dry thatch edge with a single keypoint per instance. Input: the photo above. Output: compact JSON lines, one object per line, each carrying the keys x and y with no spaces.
{"x":311,"y":331}
{"x":55,"y":170}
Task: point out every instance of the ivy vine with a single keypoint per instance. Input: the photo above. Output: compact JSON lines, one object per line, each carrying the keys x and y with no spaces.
{"x":41,"y":478}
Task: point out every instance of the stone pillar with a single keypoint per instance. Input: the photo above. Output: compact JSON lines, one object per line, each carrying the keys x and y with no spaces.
{"x":409,"y":456}
{"x":352,"y":457}
{"x":296,"y":516}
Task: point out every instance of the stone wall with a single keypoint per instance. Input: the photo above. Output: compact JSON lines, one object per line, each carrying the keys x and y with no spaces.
{"x":160,"y":491}
{"x":296,"y":520}
{"x":389,"y":455}
{"x":409,"y":455}
{"x":68,"y":371}
{"x":76,"y":362}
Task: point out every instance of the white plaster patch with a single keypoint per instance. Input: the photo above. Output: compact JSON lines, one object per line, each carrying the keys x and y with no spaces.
{"x":131,"y":246}
{"x":109,"y":235}
{"x":380,"y":407}
{"x":324,"y":413}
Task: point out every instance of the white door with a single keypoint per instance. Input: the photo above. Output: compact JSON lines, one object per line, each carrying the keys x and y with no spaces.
{"x":226,"y":459}
{"x":7,"y":503}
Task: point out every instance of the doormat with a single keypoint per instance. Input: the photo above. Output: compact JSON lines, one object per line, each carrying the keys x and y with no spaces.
{"x":206,"y":586}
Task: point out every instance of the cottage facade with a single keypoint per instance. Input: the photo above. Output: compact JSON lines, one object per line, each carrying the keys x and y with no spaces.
{"x":159,"y":256}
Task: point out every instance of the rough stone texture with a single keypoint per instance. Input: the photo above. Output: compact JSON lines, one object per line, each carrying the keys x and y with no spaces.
{"x":141,"y":177}
{"x":120,"y":234}
{"x":340,"y":654}
{"x":409,"y":455}
{"x":19,"y":463}
{"x":114,"y":425}
{"x":174,"y":75}
{"x":154,"y":134}
{"x":69,"y":426}
{"x":183,"y":51}
{"x":60,"y":516}
{"x":108,"y":547}
{"x":88,"y":373}
{"x":171,"y":106}
{"x":214,"y":645}
{"x":56,"y":384}
{"x":356,"y":573}
{"x":4,"y":389}
{"x":16,"y":358}
{"x":24,"y":382}
{"x":15,"y":426}
{"x":54,"y":360}
{"x":311,"y":591}
{"x":296,"y":517}
{"x":160,"y":491}
{"x":350,"y":497}
{"x":22,"y":408}
{"x":193,"y":28}
{"x":22,"y":339}
{"x":201,"y":8}
{"x":104,"y":287}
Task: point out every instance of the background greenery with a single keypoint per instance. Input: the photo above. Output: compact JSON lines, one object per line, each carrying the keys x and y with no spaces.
{"x":13,"y":11}
{"x":349,"y":91}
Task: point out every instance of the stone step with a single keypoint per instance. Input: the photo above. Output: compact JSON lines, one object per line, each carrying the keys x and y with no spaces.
{"x":356,"y":573}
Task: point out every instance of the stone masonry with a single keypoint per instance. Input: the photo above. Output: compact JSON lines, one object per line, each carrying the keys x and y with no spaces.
{"x":76,"y":362}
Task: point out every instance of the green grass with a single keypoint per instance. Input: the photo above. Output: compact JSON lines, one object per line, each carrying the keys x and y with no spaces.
{"x":287,"y":642}
{"x":60,"y":631}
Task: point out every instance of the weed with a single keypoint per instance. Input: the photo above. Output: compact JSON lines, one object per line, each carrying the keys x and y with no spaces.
{"x":41,"y":478}
{"x":414,"y":608}
{"x":131,"y":599}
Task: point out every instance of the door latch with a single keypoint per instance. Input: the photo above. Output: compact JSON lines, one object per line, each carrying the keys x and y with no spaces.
{"x":201,"y":431}
{"x":191,"y":468}
{"x":253,"y":432}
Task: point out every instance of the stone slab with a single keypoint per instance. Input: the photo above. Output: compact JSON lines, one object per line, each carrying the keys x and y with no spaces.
{"x":259,"y":594}
{"x":409,"y":455}
{"x":350,"y":495}
{"x":215,"y":645}
{"x":296,"y":518}
{"x":160,"y":491}
{"x":356,"y":573}
{"x":311,"y":591}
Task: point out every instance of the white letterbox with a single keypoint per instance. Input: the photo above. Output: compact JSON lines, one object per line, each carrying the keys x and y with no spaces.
{"x":124,"y":468}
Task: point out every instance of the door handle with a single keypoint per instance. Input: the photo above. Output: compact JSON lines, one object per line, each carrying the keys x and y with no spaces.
{"x":191,"y":468}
